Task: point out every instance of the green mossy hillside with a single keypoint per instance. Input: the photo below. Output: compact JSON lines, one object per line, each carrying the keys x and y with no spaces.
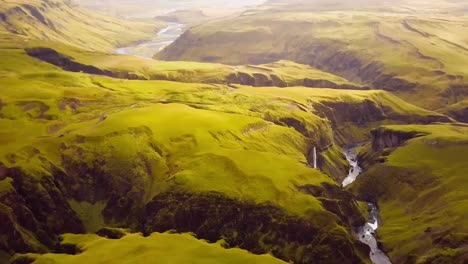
{"x":421,"y":188}
{"x":91,"y":149}
{"x":189,"y":153}
{"x":278,"y":74}
{"x":63,"y":21}
{"x":419,"y":57}
{"x":134,"y":248}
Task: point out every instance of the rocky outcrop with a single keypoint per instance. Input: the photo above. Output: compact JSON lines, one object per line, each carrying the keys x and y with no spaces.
{"x":365,"y":115}
{"x":342,"y":112}
{"x":110,"y":233}
{"x":384,"y":137}
{"x":68,"y":64}
{"x":384,"y":141}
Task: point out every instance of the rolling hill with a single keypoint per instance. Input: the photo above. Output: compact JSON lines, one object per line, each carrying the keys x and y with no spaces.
{"x":115,"y":158}
{"x":65,"y":22}
{"x":418,"y":57}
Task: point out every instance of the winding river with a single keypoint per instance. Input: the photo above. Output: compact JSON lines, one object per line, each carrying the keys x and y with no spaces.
{"x":162,"y":39}
{"x":366,"y":233}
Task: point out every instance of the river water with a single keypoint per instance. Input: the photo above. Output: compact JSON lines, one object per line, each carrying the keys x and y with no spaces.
{"x":162,"y":39}
{"x":366,"y":233}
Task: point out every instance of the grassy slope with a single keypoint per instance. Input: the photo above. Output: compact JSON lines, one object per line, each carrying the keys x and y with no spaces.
{"x":62,"y":21}
{"x":281,"y":73}
{"x":166,"y":248}
{"x":426,"y":219}
{"x":424,"y":50}
{"x":183,"y":136}
{"x":154,"y":136}
{"x":202,"y":124}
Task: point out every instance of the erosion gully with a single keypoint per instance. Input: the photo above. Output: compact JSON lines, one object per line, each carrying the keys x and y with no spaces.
{"x":366,"y":233}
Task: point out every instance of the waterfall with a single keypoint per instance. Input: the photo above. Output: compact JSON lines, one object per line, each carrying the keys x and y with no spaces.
{"x":315,"y":157}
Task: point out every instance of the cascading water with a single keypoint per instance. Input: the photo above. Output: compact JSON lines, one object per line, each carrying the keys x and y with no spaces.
{"x":366,"y":233}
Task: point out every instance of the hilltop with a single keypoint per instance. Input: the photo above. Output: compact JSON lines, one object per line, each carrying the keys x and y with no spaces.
{"x":419,"y":58}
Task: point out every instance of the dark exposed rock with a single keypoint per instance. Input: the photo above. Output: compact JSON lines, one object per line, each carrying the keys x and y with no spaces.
{"x":393,"y":83}
{"x":23,"y":259}
{"x":383,"y":138}
{"x":278,"y":81}
{"x":241,"y":78}
{"x":69,"y":249}
{"x":262,"y":80}
{"x":360,"y":114}
{"x":110,"y":233}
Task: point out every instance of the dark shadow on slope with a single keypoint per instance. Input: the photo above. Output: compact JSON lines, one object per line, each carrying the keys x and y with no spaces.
{"x":68,"y":64}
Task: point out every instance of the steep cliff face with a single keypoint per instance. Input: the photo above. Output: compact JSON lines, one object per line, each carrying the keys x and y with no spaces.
{"x":384,"y":141}
{"x":352,"y":122}
{"x":383,"y":138}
